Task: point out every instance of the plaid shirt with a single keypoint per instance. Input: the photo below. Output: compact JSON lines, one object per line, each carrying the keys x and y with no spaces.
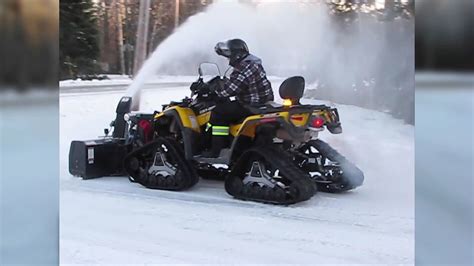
{"x":249,"y":83}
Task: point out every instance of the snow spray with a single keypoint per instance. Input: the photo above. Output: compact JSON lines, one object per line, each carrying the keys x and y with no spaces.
{"x":293,"y":38}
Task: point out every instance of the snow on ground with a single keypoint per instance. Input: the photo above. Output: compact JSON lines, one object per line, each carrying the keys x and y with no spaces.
{"x":444,"y":103}
{"x":29,"y":203}
{"x":110,"y":220}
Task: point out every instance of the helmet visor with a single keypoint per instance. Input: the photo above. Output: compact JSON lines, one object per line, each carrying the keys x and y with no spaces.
{"x":222,"y":49}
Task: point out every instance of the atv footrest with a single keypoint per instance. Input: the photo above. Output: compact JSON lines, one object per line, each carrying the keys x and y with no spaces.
{"x":223,"y":158}
{"x":97,"y":158}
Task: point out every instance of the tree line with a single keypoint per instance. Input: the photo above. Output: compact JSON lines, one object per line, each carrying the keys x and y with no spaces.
{"x":101,"y":36}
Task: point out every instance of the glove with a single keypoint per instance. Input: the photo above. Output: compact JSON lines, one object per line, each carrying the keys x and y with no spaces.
{"x":195,"y":85}
{"x":216,"y":84}
{"x":199,"y":87}
{"x":204,"y":89}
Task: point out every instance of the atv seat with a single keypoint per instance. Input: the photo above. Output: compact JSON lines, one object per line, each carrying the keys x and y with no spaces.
{"x":266,"y":108}
{"x":292,"y":89}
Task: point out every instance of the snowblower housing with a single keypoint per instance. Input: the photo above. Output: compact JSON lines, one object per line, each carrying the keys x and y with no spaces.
{"x":103,"y":156}
{"x":292,"y":89}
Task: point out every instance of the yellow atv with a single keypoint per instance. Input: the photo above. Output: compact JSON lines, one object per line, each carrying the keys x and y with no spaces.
{"x":275,"y":155}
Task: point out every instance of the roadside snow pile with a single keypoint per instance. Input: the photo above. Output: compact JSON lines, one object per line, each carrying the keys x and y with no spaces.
{"x":124,"y":80}
{"x":111,"y":80}
{"x":112,"y":221}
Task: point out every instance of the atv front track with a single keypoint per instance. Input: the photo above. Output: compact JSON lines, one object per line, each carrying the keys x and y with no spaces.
{"x":160,"y":165}
{"x":268,"y":175}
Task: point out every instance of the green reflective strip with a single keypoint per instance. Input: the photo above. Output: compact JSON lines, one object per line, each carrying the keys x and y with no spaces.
{"x":220,"y":133}
{"x":220,"y":127}
{"x":208,"y":126}
{"x":220,"y":130}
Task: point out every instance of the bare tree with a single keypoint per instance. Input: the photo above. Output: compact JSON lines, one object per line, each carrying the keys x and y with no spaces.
{"x":142,"y":35}
{"x":176,"y":14}
{"x":118,"y":12}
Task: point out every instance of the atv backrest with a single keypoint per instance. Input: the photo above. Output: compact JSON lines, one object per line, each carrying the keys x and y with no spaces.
{"x":292,"y":88}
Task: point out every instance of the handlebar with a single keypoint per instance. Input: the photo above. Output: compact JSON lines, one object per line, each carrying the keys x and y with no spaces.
{"x":201,"y":87}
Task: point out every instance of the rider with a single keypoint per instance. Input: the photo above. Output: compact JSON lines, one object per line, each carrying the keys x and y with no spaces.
{"x":247,"y":82}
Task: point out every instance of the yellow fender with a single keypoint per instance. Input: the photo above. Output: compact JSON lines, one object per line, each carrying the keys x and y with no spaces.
{"x":186,"y":115}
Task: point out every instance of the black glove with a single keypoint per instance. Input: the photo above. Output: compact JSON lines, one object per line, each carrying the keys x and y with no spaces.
{"x":199,"y":87}
{"x":204,"y":89}
{"x":194,"y":86}
{"x":216,"y":84}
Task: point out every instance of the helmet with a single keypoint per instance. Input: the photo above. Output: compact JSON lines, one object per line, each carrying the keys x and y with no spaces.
{"x":234,"y":49}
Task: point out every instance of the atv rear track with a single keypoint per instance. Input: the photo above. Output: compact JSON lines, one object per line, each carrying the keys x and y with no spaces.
{"x":334,"y":172}
{"x":268,"y":175}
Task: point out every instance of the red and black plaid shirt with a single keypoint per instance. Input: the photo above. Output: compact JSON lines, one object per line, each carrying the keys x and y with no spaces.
{"x":248,"y":82}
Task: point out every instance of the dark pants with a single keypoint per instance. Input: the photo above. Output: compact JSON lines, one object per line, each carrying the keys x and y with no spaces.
{"x":226,"y":113}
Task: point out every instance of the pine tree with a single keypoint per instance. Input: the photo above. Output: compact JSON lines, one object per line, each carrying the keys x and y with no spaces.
{"x":79,"y":43}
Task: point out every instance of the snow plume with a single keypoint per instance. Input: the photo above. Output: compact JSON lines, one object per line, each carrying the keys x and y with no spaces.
{"x":368,"y":63}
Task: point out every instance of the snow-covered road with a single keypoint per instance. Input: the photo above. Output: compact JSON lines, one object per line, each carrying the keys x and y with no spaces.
{"x":110,"y":220}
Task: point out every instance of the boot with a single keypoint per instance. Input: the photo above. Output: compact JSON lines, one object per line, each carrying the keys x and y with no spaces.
{"x":217,"y":144}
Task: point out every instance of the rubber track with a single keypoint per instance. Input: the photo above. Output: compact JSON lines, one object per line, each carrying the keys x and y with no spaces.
{"x":353,"y":176}
{"x":184,"y":178}
{"x":301,"y":187}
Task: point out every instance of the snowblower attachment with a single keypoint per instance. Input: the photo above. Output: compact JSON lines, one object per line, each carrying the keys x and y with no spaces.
{"x":104,"y":156}
{"x":96,"y":158}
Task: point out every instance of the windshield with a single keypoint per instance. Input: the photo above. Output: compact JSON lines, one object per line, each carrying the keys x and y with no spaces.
{"x":208,"y":71}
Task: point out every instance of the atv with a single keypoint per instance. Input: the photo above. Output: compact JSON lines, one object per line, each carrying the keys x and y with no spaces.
{"x":275,"y":155}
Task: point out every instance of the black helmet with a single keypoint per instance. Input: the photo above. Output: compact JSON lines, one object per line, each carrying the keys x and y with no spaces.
{"x":234,"y":49}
